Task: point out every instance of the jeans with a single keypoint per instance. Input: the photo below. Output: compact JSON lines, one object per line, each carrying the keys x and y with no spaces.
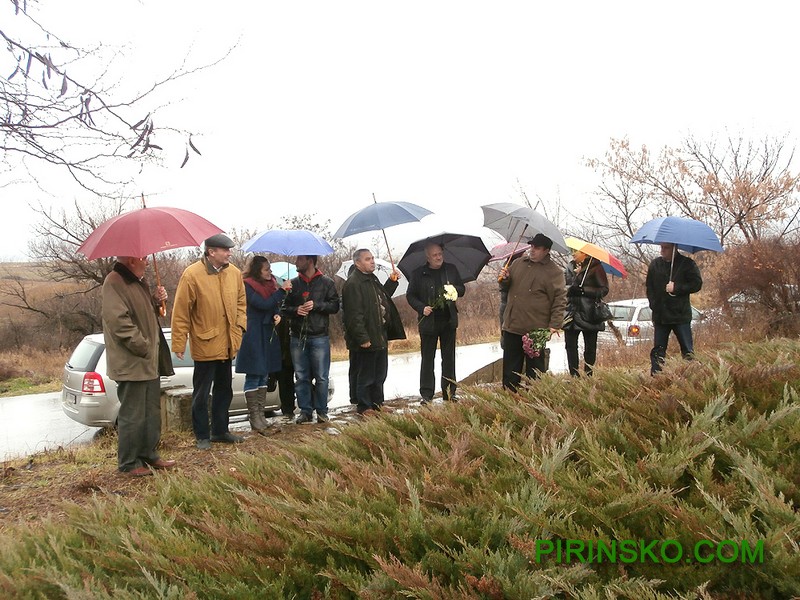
{"x":683,"y":331}
{"x":446,"y":338}
{"x":208,"y":373}
{"x":312,"y":361}
{"x":515,"y":359}
{"x":371,"y":369}
{"x":253,"y":382}
{"x":589,"y":350}
{"x":138,"y":423}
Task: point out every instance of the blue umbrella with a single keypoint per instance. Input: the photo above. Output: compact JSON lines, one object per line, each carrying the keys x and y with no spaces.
{"x":289,"y":242}
{"x":688,"y":235}
{"x":380,"y":215}
{"x":284,"y":270}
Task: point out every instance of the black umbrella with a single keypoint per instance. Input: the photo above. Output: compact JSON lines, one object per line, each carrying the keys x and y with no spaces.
{"x":466,"y":252}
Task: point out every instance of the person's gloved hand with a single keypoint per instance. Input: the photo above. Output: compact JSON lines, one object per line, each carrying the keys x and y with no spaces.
{"x":574,"y":290}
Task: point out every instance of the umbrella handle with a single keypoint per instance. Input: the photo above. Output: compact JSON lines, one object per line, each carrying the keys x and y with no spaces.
{"x":514,"y":251}
{"x":162,"y":309}
{"x":392,"y":275}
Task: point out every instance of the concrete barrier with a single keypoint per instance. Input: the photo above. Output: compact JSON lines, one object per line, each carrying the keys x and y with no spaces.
{"x":176,"y":409}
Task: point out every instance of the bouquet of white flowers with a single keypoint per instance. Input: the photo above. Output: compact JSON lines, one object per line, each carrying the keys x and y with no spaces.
{"x":447,"y":294}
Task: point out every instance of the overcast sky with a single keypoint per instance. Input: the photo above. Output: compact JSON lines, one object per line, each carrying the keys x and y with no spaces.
{"x":449,"y":105}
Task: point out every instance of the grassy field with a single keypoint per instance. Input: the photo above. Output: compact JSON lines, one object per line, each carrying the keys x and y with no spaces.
{"x":461,"y":500}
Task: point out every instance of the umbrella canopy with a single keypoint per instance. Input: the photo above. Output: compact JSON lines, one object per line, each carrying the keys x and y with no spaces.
{"x":147,"y":231}
{"x":382,"y":271}
{"x":284,"y":270}
{"x":688,"y":235}
{"x":289,"y":242}
{"x":467,"y":252}
{"x":611,"y":264}
{"x":507,"y":250}
{"x":380,"y":215}
{"x":514,"y":221}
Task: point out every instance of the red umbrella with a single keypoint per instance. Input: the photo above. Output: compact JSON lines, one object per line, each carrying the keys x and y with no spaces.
{"x":147,"y":231}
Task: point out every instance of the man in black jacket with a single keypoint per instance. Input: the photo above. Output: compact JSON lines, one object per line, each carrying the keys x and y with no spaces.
{"x":370,"y":321}
{"x":671,"y":278}
{"x":428,"y":289}
{"x":309,"y":305}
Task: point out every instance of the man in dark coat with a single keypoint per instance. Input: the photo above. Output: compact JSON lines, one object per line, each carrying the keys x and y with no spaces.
{"x":309,"y":305}
{"x":428,"y":288}
{"x":132,"y":337}
{"x":671,"y":278}
{"x":370,"y":320}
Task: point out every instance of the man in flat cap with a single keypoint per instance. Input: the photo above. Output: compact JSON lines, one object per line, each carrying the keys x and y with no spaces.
{"x":536,"y":300}
{"x":210,"y":311}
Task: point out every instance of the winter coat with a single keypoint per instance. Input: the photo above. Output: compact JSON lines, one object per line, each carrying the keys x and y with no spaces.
{"x":322,"y":290}
{"x":672,"y":309}
{"x":260,"y":353}
{"x":364,"y":320}
{"x":585,"y":286}
{"x":210,"y":309}
{"x":536,"y":296}
{"x":422,"y":291}
{"x":130,"y":327}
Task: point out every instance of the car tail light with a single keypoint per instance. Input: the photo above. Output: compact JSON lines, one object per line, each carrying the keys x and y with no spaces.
{"x":634,"y":330}
{"x":93,"y":383}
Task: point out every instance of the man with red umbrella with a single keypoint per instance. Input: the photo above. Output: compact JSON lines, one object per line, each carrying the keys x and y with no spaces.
{"x":210,"y":311}
{"x":132,"y":337}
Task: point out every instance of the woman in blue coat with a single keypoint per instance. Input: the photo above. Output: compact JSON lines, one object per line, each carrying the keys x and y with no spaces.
{"x":260,"y":353}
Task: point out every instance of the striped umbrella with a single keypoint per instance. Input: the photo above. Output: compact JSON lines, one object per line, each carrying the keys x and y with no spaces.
{"x":611,"y":264}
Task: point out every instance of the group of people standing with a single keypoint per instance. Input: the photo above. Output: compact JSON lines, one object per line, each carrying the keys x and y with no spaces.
{"x":223,"y":313}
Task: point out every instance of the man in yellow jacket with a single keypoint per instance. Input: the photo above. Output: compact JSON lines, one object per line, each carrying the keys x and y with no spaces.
{"x":210,"y":311}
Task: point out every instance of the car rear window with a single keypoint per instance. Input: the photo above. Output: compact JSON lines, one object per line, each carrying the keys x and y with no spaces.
{"x":621,"y":313}
{"x":85,"y":356}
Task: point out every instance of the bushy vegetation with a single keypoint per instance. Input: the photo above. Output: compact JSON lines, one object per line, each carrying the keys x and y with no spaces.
{"x":450,"y":502}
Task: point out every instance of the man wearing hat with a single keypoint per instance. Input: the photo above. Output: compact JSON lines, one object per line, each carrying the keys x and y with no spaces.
{"x":536,"y":300}
{"x":210,"y":311}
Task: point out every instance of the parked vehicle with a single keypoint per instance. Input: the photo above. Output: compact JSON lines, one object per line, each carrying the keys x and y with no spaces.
{"x":89,"y":397}
{"x":633,"y":321}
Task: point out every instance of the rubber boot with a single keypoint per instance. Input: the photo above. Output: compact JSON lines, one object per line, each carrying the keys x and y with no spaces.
{"x":255,"y":415}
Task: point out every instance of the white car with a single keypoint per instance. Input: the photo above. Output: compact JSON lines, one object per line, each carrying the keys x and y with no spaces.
{"x":633,"y":321}
{"x":89,"y":397}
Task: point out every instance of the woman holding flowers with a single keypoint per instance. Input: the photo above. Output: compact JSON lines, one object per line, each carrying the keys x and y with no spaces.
{"x":535,"y":310}
{"x":432,"y":291}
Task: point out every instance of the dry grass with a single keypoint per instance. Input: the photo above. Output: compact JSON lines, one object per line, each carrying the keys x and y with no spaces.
{"x":30,"y":371}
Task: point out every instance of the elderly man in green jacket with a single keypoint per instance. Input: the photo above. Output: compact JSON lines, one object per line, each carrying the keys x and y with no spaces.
{"x":210,"y":311}
{"x":132,"y":337}
{"x":537,"y":298}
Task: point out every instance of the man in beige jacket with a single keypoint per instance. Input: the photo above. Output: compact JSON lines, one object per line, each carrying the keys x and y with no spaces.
{"x":132,"y":336}
{"x":210,"y":311}
{"x":537,"y":297}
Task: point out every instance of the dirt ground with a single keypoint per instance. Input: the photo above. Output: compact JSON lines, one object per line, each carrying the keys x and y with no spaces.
{"x":36,"y":488}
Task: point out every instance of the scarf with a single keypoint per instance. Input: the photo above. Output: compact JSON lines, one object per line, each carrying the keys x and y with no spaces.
{"x":264,"y":288}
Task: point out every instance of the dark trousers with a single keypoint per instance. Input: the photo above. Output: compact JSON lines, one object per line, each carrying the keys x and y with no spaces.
{"x":370,"y":375}
{"x":138,"y":423}
{"x":351,"y":375}
{"x":589,"y":350}
{"x":516,"y":363}
{"x":445,"y":336}
{"x":682,"y":331}
{"x":208,"y":373}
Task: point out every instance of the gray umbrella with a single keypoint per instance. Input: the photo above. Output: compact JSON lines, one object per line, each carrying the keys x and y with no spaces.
{"x":518,"y":223}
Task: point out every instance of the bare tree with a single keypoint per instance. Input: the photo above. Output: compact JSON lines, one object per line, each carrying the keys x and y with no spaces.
{"x":745,"y":190}
{"x":83,"y":126}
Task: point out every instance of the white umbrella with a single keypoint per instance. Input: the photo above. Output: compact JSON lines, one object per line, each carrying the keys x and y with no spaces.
{"x":382,"y":270}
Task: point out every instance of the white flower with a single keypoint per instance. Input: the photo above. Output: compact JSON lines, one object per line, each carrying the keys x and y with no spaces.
{"x":450,"y":293}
